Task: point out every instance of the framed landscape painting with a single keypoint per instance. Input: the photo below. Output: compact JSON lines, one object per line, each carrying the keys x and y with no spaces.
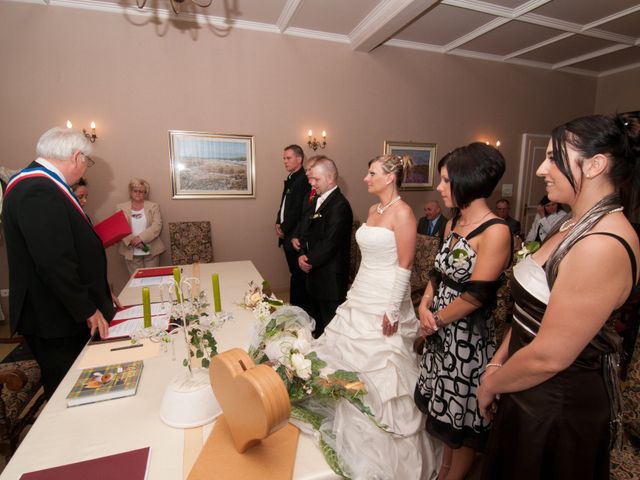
{"x":208,"y":165}
{"x":423,"y":155}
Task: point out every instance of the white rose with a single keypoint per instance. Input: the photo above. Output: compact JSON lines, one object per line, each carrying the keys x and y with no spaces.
{"x":301,"y":365}
{"x":277,"y":350}
{"x":255,"y":298}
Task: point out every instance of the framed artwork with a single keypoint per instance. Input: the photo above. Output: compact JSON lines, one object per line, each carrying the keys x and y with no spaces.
{"x":420,"y":175}
{"x":208,"y":165}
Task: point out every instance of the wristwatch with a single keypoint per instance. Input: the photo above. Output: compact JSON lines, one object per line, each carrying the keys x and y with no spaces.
{"x":439,"y":322}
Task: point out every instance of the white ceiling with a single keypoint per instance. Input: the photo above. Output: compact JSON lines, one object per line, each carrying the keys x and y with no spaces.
{"x":588,"y":37}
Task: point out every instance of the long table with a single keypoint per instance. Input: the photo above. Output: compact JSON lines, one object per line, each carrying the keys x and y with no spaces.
{"x":64,"y":435}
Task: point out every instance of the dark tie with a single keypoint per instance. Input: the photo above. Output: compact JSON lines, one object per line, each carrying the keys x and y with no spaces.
{"x":431,"y":227}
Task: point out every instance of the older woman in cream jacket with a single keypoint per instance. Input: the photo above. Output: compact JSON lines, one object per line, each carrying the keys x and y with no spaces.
{"x":143,"y":247}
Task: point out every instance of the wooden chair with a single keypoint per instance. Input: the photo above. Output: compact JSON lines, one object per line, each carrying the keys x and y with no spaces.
{"x":190,"y":242}
{"x":19,"y":389}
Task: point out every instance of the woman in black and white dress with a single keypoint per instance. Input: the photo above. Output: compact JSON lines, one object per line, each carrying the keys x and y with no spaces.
{"x":455,"y":311}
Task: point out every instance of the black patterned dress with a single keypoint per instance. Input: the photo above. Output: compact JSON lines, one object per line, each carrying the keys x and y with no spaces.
{"x":456,"y":355}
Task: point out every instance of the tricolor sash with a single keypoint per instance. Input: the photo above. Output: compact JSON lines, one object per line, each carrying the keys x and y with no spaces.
{"x":55,"y":178}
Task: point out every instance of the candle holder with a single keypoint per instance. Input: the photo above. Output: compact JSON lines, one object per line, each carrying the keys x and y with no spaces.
{"x":315,"y":144}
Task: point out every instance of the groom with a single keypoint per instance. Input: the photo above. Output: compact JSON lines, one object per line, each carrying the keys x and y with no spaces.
{"x":325,"y":244}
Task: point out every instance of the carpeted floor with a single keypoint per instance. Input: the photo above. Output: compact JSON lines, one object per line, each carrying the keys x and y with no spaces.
{"x":625,"y":464}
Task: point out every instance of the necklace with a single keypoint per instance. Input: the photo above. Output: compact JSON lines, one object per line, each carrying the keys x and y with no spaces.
{"x":477,"y":221}
{"x":380,"y":209}
{"x":567,"y":224}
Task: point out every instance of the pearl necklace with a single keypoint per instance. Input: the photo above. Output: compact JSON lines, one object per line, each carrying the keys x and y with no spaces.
{"x":567,"y":224}
{"x":380,"y":209}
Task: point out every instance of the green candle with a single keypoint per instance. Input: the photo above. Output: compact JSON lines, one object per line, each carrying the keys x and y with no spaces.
{"x":146,"y":307}
{"x":215,"y":283}
{"x":176,"y":277}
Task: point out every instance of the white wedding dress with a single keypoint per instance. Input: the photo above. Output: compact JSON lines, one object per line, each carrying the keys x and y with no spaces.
{"x":353,"y":340}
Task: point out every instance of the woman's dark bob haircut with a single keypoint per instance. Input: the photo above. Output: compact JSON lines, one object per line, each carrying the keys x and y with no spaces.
{"x":474,"y":171}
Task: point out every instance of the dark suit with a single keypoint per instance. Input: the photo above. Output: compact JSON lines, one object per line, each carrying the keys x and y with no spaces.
{"x":296,"y":189}
{"x":326,"y":242}
{"x":438,"y":230}
{"x":57,"y":274}
{"x":514,"y":225}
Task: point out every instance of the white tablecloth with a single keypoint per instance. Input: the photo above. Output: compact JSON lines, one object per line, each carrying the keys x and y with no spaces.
{"x":64,"y":435}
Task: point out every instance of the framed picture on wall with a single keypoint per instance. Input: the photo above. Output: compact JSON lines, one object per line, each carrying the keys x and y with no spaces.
{"x":423,"y":155}
{"x":211,"y":165}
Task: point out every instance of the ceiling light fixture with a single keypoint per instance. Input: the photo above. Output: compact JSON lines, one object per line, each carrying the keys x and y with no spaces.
{"x":176,"y":5}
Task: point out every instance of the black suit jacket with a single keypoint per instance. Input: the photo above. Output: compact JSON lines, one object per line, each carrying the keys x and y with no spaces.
{"x":514,"y":225}
{"x":438,"y":231}
{"x":296,"y":188}
{"x":57,"y":264}
{"x":326,"y":242}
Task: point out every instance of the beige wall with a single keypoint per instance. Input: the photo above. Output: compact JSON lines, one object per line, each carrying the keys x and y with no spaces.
{"x":619,"y":92}
{"x":63,"y":63}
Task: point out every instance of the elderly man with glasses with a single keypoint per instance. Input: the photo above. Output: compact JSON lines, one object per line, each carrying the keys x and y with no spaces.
{"x":59,"y":294}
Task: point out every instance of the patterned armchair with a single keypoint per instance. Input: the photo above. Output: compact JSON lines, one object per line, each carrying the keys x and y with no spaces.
{"x":426,"y":250}
{"x":190,"y":242}
{"x":20,"y":396}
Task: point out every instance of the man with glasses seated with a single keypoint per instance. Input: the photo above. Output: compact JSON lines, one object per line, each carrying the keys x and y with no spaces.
{"x":59,"y":294}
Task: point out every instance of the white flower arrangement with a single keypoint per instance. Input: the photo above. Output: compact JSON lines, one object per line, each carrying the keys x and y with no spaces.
{"x":527,"y":249}
{"x":459,"y":257}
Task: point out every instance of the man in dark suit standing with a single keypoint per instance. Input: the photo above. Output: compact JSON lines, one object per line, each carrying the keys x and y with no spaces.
{"x":502,"y":210}
{"x":433,"y":222}
{"x":324,"y":255}
{"x":295,"y":192}
{"x":59,"y":293}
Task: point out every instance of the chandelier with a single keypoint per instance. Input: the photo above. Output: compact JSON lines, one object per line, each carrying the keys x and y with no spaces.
{"x":176,"y":5}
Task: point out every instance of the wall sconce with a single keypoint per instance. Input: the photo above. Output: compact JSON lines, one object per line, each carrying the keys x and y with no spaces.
{"x":314,"y":144}
{"x":91,"y":136}
{"x":497,"y":143}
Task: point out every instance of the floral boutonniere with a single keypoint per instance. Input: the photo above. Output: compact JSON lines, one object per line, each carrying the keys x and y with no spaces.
{"x":527,"y":249}
{"x":316,"y":215}
{"x":459,"y":257}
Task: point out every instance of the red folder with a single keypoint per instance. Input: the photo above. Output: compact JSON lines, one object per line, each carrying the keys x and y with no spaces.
{"x":154,"y":272}
{"x":131,"y":465}
{"x":113,"y":229}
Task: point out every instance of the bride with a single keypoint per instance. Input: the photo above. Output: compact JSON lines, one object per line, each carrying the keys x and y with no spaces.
{"x":372,"y":333}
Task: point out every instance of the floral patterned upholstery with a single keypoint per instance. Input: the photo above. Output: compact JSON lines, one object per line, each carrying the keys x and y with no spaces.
{"x":426,"y":250}
{"x":625,"y":464}
{"x":19,"y":384}
{"x":190,"y":242}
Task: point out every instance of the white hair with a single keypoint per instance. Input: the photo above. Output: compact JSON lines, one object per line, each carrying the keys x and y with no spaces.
{"x":59,"y":143}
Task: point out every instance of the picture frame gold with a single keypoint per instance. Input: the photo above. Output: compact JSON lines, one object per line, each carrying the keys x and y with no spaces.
{"x":211,"y":165}
{"x":423,"y":155}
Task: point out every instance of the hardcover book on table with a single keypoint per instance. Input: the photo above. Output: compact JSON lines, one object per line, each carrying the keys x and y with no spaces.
{"x":106,"y":383}
{"x":131,"y":465}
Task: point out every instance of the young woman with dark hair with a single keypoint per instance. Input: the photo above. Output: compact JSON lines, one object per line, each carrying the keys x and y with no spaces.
{"x":455,"y":311}
{"x":553,"y":386}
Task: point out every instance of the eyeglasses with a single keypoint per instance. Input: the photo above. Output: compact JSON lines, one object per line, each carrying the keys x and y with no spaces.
{"x":90,"y":161}
{"x":136,"y":190}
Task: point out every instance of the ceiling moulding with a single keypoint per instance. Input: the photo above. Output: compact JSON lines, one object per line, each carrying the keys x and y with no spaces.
{"x":317,"y":35}
{"x":589,"y":56}
{"x":544,"y":43}
{"x":478,"y":32}
{"x":288,"y":12}
{"x":425,"y":47}
{"x":613,"y":71}
{"x":387,"y":18}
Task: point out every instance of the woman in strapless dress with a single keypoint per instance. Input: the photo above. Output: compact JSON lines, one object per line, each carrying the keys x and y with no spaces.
{"x":372,"y":333}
